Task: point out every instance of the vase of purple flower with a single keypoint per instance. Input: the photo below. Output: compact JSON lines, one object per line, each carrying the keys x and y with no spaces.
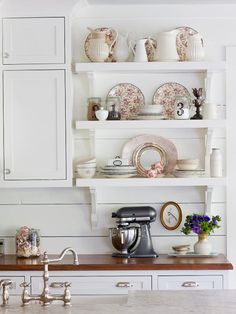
{"x":202,"y":225}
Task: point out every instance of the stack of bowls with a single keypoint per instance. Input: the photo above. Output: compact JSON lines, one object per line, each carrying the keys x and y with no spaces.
{"x":86,"y":169}
{"x":181,"y":249}
{"x":187,"y":168}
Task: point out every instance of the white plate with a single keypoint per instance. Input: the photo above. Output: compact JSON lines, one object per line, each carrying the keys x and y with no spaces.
{"x":192,"y":254}
{"x":120,"y":176}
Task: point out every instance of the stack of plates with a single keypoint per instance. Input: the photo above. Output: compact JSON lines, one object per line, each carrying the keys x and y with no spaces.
{"x":189,"y":173}
{"x":118,"y":171}
{"x":150,"y":112}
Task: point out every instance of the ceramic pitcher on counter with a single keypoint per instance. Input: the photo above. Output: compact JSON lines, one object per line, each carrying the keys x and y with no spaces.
{"x":195,"y":49}
{"x":166,"y":43}
{"x":122,"y":48}
{"x":140,"y":53}
{"x":99,"y":49}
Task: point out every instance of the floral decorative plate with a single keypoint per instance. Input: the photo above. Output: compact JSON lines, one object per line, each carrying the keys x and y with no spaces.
{"x":166,"y":94}
{"x":166,"y":145}
{"x":131,"y":99}
{"x":110,"y":37}
{"x":182,"y":40}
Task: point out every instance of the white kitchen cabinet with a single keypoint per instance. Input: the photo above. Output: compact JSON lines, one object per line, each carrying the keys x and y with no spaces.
{"x":190,"y":282}
{"x":34,"y":125}
{"x":94,"y":285}
{"x":33,"y":40}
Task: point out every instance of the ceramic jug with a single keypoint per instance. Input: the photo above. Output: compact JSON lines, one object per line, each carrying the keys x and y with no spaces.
{"x":121,"y":50}
{"x":98,"y":49}
{"x":140,"y":54}
{"x":166,"y":43}
{"x":195,"y":48}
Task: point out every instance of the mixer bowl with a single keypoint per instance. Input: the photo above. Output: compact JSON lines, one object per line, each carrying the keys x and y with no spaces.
{"x":123,"y":238}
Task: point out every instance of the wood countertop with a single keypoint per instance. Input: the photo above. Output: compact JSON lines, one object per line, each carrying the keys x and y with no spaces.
{"x":105,"y":262}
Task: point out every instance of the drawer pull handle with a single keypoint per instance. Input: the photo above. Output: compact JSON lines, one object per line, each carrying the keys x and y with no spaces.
{"x":6,"y":55}
{"x":124,"y":284}
{"x":57,"y":284}
{"x":190,"y":284}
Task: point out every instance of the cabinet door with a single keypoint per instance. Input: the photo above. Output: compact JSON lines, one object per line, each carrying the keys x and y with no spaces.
{"x":33,"y":40}
{"x":190,"y":282}
{"x":94,"y":285}
{"x":34,"y":125}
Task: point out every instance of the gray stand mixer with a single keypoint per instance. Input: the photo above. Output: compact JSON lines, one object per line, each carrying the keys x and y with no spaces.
{"x":132,"y":236}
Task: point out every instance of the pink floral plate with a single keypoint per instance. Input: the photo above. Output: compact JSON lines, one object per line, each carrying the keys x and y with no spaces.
{"x":166,"y":94}
{"x":166,"y":146}
{"x":110,"y":37}
{"x":182,"y":40}
{"x":131,"y":99}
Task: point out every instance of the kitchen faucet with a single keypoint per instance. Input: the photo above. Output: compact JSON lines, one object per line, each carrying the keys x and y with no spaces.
{"x":45,"y":297}
{"x":5,"y":284}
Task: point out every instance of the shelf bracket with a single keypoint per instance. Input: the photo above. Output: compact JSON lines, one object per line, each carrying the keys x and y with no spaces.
{"x":92,"y":141}
{"x":208,"y":146}
{"x":208,"y":199}
{"x":93,"y":196}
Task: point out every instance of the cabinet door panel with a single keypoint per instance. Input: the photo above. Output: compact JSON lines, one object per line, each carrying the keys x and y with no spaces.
{"x":34,"y":125}
{"x":189,"y":282}
{"x":96,"y":285}
{"x":33,"y":40}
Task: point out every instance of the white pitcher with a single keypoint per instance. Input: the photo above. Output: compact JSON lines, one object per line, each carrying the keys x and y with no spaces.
{"x":166,"y":43}
{"x":98,"y":49}
{"x":140,"y":54}
{"x":195,"y":49}
{"x":121,"y":50}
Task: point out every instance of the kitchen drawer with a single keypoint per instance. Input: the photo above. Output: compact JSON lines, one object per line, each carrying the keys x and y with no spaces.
{"x":95,"y":285}
{"x":190,"y":282}
{"x":15,"y":289}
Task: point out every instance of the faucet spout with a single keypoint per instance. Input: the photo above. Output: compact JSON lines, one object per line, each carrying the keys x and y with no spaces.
{"x":63,"y":253}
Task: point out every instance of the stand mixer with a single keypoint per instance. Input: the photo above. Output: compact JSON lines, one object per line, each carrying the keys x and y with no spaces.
{"x":132,"y":235}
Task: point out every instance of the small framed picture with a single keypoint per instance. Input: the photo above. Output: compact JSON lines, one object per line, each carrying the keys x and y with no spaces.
{"x":171,"y":215}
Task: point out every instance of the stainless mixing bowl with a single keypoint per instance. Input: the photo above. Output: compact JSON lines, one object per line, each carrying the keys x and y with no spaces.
{"x":123,"y":238}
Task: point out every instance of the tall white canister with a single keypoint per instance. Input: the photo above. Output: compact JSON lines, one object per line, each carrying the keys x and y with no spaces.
{"x":216,"y":163}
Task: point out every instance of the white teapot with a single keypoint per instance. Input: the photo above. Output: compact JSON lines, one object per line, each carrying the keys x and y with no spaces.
{"x":140,"y":53}
{"x":166,"y":43}
{"x":98,"y":49}
{"x":195,"y":49}
{"x":121,"y":50}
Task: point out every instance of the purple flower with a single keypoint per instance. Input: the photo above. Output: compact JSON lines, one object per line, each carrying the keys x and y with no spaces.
{"x":206,"y":218}
{"x":196,"y":229}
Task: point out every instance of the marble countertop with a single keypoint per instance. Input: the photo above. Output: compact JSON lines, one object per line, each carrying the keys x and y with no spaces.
{"x":142,"y":302}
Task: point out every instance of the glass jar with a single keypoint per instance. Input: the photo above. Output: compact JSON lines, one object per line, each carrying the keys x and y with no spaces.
{"x":113,"y":107}
{"x":94,"y":104}
{"x":27,"y":242}
{"x":182,"y":107}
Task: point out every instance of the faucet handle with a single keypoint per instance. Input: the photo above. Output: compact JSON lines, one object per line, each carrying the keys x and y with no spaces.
{"x":25,"y":284}
{"x":5,"y":284}
{"x":67,"y":294}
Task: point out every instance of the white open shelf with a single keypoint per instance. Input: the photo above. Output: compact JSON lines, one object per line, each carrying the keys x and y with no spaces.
{"x":150,"y":124}
{"x":146,"y":67}
{"x":132,"y":182}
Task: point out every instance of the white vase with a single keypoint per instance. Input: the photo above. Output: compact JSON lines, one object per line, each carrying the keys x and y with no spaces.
{"x":203,"y":246}
{"x":101,"y":114}
{"x":216,"y":163}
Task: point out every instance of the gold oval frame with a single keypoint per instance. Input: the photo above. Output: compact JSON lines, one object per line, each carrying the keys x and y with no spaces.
{"x":162,"y":215}
{"x":140,"y":150}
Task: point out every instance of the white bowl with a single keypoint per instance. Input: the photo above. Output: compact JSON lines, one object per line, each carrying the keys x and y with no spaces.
{"x":154,"y":109}
{"x":92,"y":165}
{"x":187,"y":164}
{"x":88,"y":161}
{"x":86,"y":172}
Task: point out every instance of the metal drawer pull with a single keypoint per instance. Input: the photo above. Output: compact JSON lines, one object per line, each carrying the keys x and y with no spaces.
{"x":57,"y":284}
{"x":124,"y":284}
{"x":7,"y":171}
{"x":190,"y":284}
